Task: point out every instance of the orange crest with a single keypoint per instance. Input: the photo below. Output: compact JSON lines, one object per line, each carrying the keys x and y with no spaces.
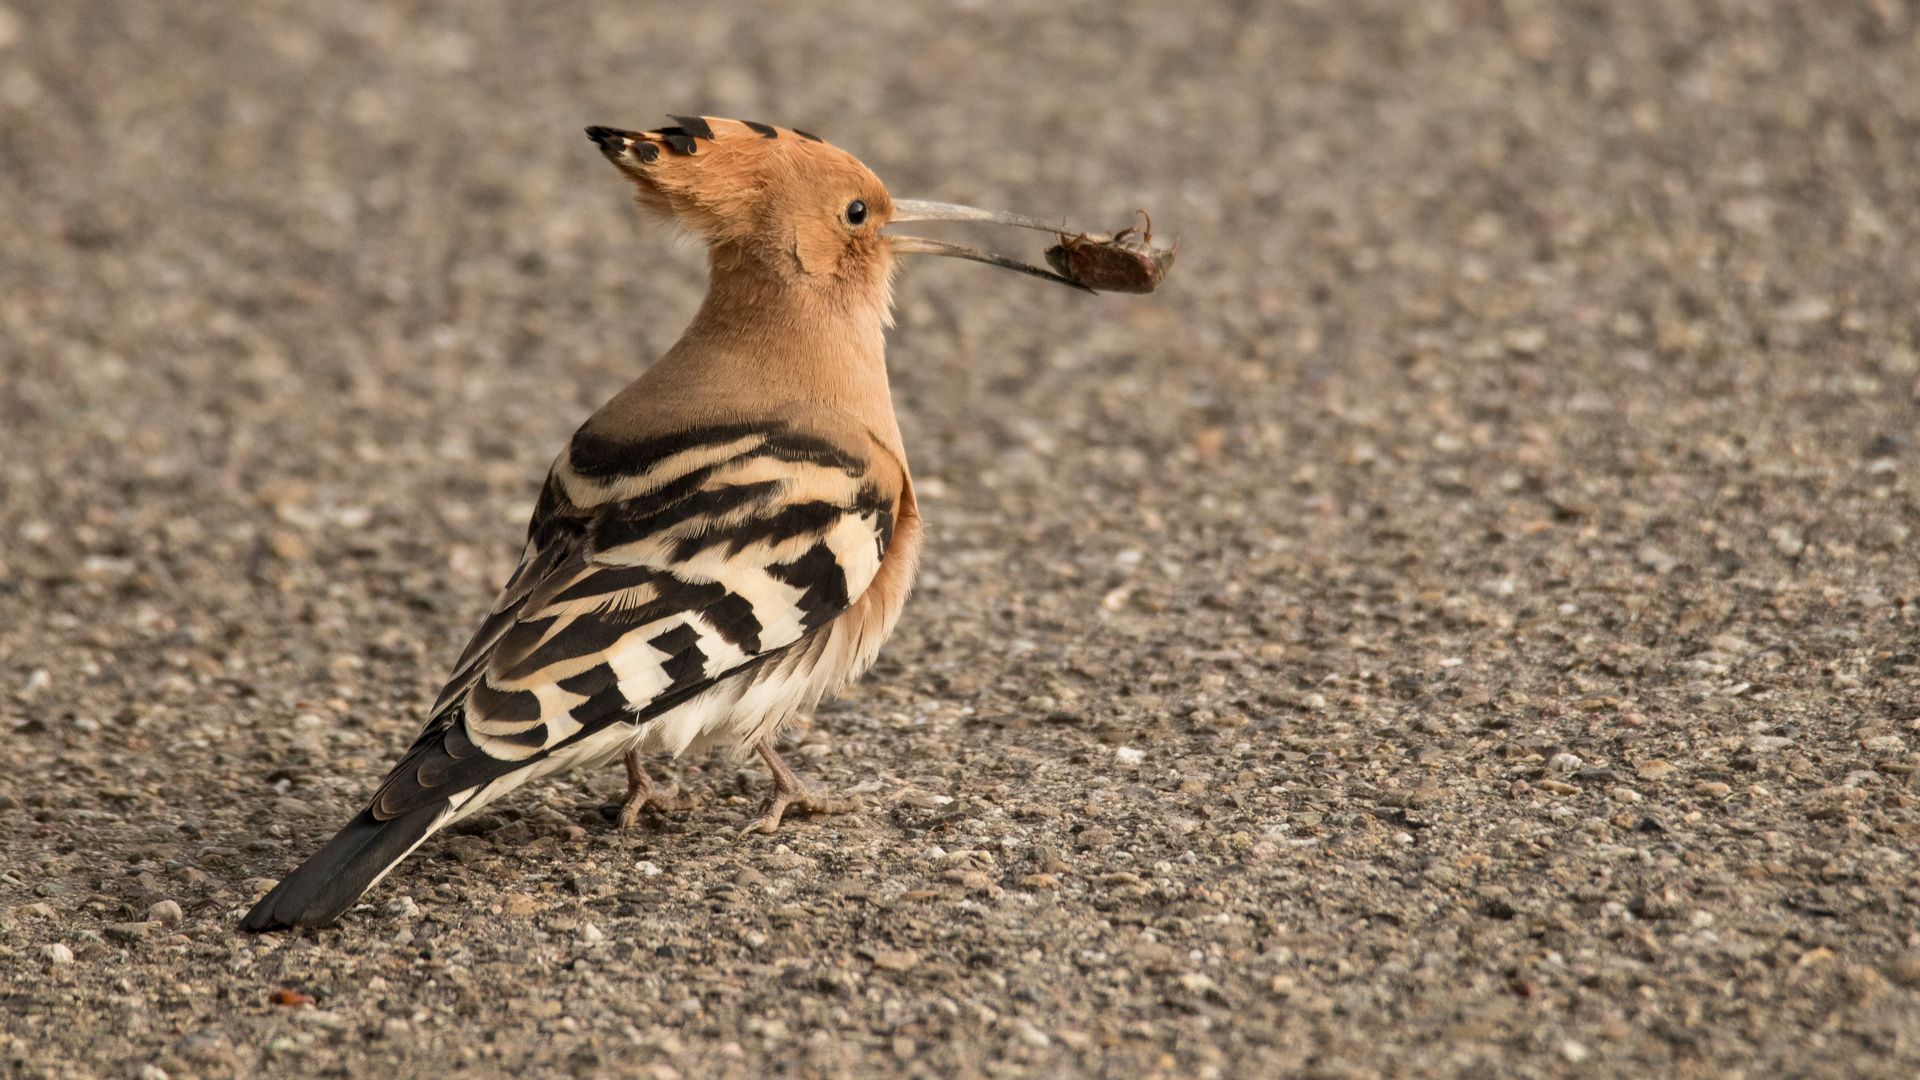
{"x":775,"y":195}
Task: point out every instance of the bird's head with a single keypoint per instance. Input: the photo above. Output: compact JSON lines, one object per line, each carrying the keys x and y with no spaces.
{"x":770,"y":198}
{"x":781,"y":203}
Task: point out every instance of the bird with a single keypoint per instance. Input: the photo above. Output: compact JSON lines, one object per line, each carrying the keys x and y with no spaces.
{"x":722,"y":544}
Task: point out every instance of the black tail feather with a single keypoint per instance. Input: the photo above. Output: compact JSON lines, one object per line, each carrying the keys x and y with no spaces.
{"x":329,"y":882}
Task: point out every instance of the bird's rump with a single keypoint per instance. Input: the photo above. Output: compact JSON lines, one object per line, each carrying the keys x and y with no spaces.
{"x":654,"y":571}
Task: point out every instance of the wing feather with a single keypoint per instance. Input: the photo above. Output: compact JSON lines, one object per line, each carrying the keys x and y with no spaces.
{"x":646,"y":581}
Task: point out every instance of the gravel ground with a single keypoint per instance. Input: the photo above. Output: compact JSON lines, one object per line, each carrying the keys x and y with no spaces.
{"x":1463,"y":626}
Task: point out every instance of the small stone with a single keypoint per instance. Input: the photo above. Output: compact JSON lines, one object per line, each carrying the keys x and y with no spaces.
{"x":1197,"y":983}
{"x":520,"y":904}
{"x":1656,"y":769}
{"x":127,"y":932}
{"x":1905,"y":969}
{"x":402,"y":907}
{"x":259,"y":885}
{"x":1565,"y":763}
{"x":1574,"y":1052}
{"x":1519,"y":789}
{"x":1127,"y":755}
{"x":1886,"y":536}
{"x":166,"y":913}
{"x":1031,"y":1035}
{"x":591,"y":934}
{"x":1525,"y":341}
{"x":56,"y":953}
{"x":896,"y":960}
{"x":971,"y":880}
{"x":1558,"y":787}
{"x":1712,"y":788}
{"x":288,"y":546}
{"x":1040,"y":882}
{"x":785,"y":858}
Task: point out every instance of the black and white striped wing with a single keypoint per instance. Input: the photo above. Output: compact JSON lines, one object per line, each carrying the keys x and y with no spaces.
{"x":653,"y":571}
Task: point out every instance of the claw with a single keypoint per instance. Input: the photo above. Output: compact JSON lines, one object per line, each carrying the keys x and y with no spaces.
{"x":789,"y":793}
{"x":641,"y":793}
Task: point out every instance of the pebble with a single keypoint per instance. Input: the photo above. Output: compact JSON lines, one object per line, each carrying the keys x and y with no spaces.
{"x":1655,"y":769}
{"x":1127,"y":755}
{"x":1565,"y":762}
{"x":972,"y":880}
{"x":896,"y":959}
{"x":166,"y":913}
{"x":1905,"y":969}
{"x":1712,"y":788}
{"x":56,"y":953}
{"x":520,"y":904}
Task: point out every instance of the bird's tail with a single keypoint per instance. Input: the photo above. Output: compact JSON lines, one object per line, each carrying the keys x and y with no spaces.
{"x":329,"y":882}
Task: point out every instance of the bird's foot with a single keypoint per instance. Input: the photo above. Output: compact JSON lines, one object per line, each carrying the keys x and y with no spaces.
{"x":641,"y":794}
{"x":790,"y":794}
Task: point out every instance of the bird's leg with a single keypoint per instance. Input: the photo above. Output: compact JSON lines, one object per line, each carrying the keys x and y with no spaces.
{"x":788,"y":791}
{"x":641,"y":793}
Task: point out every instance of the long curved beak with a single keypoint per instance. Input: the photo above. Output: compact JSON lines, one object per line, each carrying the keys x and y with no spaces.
{"x":921,"y":210}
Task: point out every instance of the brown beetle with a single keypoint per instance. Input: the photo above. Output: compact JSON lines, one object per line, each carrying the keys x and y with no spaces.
{"x":1120,"y":263}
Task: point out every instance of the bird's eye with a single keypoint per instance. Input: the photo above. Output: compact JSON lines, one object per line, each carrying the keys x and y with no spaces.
{"x":857,"y":212}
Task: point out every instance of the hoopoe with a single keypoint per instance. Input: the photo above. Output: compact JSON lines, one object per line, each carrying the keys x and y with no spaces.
{"x":725,"y":542}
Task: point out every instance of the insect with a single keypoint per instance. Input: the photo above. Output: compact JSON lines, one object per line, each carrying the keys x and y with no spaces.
{"x":1125,"y":262}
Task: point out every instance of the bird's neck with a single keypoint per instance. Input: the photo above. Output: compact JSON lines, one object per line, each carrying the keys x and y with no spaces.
{"x":762,"y":346}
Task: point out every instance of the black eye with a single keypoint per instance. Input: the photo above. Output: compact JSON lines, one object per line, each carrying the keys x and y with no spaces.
{"x":857,"y":212}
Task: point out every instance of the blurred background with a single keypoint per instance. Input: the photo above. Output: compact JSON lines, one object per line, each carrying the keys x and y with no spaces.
{"x":358,"y":267}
